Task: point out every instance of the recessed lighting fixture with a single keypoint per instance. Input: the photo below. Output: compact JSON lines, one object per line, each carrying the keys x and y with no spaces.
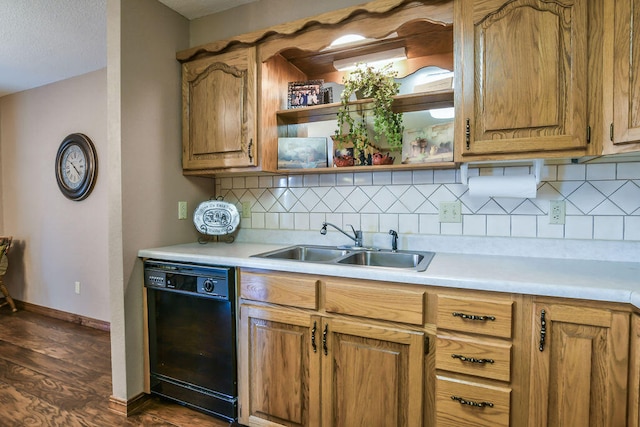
{"x":442,"y":113}
{"x":347,"y":39}
{"x":371,"y":59}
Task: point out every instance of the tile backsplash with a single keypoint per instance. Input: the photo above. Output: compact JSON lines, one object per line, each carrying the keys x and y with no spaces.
{"x":602,"y":202}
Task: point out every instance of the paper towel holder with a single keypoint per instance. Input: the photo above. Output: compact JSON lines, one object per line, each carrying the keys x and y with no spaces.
{"x":537,"y":169}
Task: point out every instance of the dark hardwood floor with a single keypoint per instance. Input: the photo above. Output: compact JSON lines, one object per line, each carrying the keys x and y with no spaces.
{"x":56,"y":373}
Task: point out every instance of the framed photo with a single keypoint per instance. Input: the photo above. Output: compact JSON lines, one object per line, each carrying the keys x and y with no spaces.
{"x":302,"y":153}
{"x":327,"y":95}
{"x":305,"y":94}
{"x":429,"y":144}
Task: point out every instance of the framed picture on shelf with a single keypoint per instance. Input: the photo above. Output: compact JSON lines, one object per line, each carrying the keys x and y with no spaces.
{"x":428,"y":144}
{"x":305,"y":94}
{"x":303,"y":153}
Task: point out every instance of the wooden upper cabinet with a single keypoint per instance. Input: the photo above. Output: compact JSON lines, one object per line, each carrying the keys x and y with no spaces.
{"x":622,"y":76}
{"x":219,"y":111}
{"x":579,"y":366}
{"x":521,"y":78}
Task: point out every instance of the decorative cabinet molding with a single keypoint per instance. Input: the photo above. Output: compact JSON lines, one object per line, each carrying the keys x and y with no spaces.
{"x":521,"y":78}
{"x":219,"y":111}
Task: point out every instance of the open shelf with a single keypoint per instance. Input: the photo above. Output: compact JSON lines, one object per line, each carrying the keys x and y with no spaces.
{"x":402,"y":103}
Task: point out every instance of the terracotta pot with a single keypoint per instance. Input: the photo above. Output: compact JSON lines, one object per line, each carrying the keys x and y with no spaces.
{"x":382,"y":159}
{"x":343,"y":161}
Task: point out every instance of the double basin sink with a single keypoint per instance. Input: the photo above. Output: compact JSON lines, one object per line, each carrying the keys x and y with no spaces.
{"x":362,"y":257}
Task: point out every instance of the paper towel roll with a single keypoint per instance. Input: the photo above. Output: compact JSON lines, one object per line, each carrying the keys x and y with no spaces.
{"x":520,"y":186}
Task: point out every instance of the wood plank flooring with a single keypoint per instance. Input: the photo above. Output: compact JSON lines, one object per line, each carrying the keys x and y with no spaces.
{"x":56,"y":373}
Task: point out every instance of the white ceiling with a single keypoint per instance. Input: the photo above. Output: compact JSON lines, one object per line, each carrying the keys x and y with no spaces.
{"x":44,"y":41}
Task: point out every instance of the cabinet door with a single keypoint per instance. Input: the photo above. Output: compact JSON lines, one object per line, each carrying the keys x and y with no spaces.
{"x":279,"y":371}
{"x":634,"y":373}
{"x":579,"y":366}
{"x":219,"y":111}
{"x":626,"y":73}
{"x":372,"y":375}
{"x":521,"y":78}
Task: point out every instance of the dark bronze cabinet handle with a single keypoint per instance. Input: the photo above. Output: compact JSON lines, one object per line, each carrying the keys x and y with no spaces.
{"x":249,"y":150}
{"x":471,"y":359}
{"x":473,"y":316}
{"x":471,"y":402}
{"x":324,"y":339}
{"x":467,"y":134}
{"x":313,"y":338}
{"x":543,"y":329}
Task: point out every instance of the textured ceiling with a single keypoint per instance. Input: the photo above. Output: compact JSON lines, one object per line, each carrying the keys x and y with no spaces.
{"x":44,"y":41}
{"x":192,"y":9}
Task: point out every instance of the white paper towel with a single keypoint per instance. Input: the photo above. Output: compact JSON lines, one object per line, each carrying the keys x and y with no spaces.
{"x":520,"y":186}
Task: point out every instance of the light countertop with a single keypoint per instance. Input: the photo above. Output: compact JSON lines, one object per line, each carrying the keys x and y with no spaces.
{"x":593,"y":280}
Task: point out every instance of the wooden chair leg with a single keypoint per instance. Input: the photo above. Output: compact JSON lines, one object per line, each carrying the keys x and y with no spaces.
{"x":5,"y":291}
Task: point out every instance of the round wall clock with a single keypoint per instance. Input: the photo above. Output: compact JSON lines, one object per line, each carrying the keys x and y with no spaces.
{"x":76,"y":166}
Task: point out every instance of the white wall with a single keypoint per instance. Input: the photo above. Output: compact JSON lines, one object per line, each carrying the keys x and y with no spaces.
{"x":57,"y":241}
{"x":146,"y":181}
{"x":258,"y":15}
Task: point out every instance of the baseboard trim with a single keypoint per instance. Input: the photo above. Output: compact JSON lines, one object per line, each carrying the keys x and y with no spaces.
{"x":61,"y":315}
{"x":127,"y":407}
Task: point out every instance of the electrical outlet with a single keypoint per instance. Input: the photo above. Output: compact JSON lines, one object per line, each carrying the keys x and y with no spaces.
{"x":77,"y":285}
{"x":450,"y":212}
{"x":182,"y":210}
{"x":246,"y":209}
{"x":557,"y":210}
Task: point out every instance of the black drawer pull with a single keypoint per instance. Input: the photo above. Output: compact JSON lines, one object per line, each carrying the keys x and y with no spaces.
{"x":473,"y":316}
{"x":471,"y":402}
{"x":313,"y":338}
{"x":471,"y":359}
{"x":543,"y":330}
{"x":324,"y":339}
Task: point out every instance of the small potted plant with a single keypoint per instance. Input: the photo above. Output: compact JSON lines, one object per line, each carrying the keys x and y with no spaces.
{"x":379,"y":85}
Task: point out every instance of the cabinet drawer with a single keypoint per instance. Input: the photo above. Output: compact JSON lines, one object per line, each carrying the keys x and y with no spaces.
{"x":474,"y":357}
{"x":296,"y":290}
{"x":488,"y":317}
{"x":463,"y":403}
{"x":385,"y":302}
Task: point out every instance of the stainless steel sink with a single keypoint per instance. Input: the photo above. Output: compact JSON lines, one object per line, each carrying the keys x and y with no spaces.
{"x":306,"y":253}
{"x":418,"y":261}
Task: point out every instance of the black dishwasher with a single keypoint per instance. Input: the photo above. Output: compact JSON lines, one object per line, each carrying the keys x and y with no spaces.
{"x":192,"y":335}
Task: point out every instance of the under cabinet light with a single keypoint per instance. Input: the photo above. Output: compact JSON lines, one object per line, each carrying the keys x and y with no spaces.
{"x":371,"y":59}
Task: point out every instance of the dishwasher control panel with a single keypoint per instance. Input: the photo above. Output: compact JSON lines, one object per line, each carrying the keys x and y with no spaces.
{"x":213,"y":281}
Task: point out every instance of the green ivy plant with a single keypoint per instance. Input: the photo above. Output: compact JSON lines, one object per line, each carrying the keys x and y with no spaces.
{"x":379,"y":85}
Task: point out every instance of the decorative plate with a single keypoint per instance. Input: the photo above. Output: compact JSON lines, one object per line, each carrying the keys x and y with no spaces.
{"x":215,"y":217}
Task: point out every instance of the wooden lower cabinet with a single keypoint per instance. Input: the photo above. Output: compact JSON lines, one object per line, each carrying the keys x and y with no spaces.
{"x":579,"y":366}
{"x":370,"y":375}
{"x":465,"y":403}
{"x":634,"y":373}
{"x":279,"y":372}
{"x":334,"y":355}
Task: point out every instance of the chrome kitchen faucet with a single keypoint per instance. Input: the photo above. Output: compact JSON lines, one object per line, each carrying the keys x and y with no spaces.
{"x":357,"y":235}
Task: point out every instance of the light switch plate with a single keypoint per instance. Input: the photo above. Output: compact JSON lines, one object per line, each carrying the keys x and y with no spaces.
{"x":450,"y":212}
{"x":182,"y":210}
{"x":246,"y":209}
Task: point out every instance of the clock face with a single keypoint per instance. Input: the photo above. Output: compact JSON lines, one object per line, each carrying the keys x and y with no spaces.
{"x":76,"y":166}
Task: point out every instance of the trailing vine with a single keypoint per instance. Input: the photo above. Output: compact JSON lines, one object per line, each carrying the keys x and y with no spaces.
{"x":380,"y":86}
